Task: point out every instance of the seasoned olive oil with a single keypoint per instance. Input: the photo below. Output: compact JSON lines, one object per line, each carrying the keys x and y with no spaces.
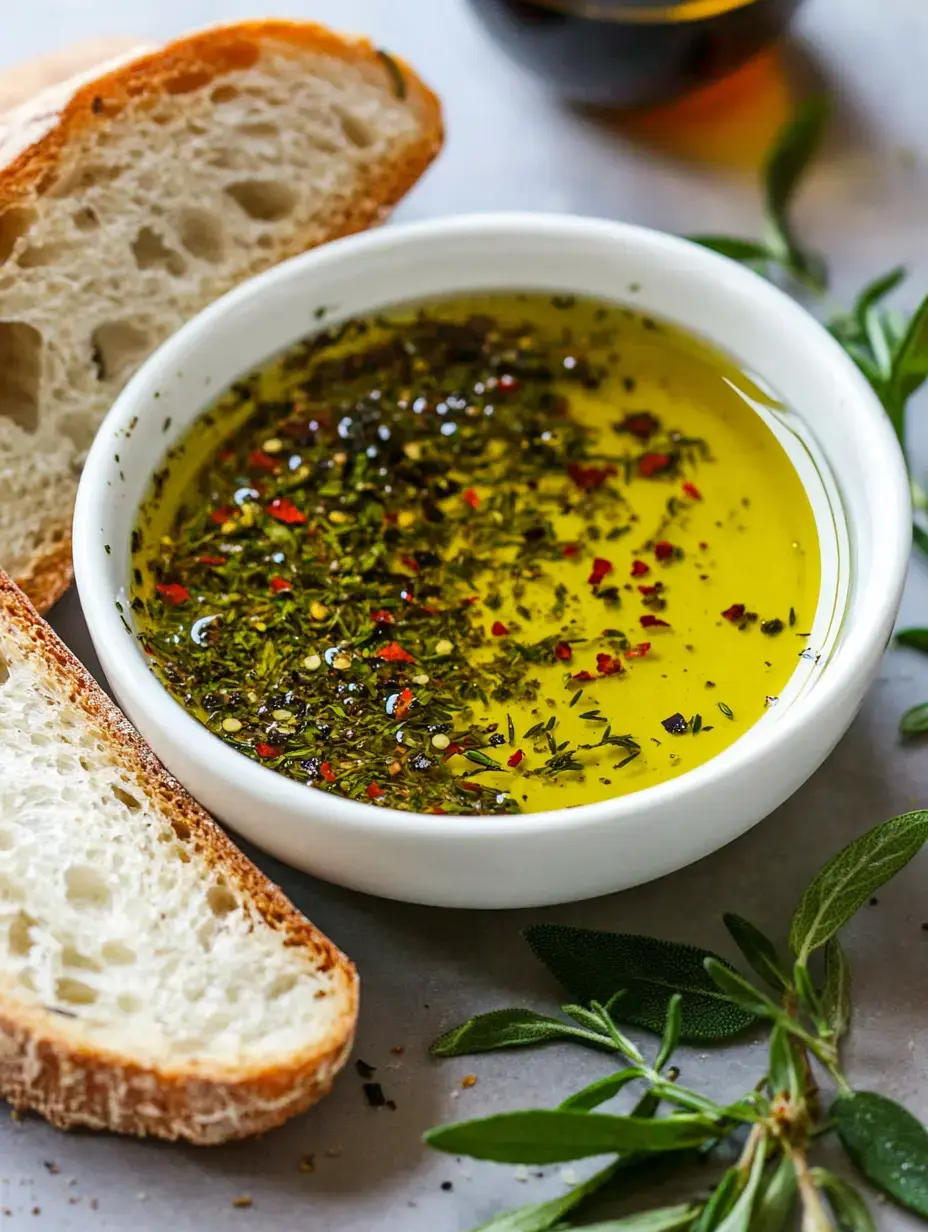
{"x":497,"y":554}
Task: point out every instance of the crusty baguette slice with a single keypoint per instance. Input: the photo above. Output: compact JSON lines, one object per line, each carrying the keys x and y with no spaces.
{"x":152,"y":981}
{"x":129,"y":204}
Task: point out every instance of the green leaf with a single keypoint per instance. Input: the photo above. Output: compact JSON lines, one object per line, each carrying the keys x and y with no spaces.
{"x":920,"y":538}
{"x":910,"y":362}
{"x":847,"y":1204}
{"x":665,"y":1219}
{"x":551,"y":1135}
{"x":887,"y":1144}
{"x":722,"y":1200}
{"x":592,"y":965}
{"x":786,"y":1076}
{"x":773,"y":1210}
{"x":793,"y":150}
{"x":876,"y":291}
{"x":758,"y":951}
{"x":509,"y":1028}
{"x":672,"y":1028}
{"x":836,"y":991}
{"x":915,"y":720}
{"x":740,"y":991}
{"x":738,"y":1218}
{"x":808,"y":997}
{"x":915,"y":639}
{"x":541,"y":1216}
{"x":849,"y":879}
{"x":605,"y":1088}
{"x":733,"y":247}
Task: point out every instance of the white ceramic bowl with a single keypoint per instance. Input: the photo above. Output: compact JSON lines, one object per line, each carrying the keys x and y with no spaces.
{"x":559,"y":855}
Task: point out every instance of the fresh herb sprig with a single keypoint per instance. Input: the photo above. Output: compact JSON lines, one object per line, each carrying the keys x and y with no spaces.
{"x":685,"y":994}
{"x":888,"y":346}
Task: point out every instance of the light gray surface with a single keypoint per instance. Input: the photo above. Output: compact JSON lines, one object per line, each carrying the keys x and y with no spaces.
{"x":511,"y":146}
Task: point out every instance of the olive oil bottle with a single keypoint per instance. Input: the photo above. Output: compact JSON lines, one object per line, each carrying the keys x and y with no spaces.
{"x":633,"y":53}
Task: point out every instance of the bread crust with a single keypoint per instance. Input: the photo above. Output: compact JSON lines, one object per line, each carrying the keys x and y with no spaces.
{"x":47,"y":1062}
{"x":193,"y":63}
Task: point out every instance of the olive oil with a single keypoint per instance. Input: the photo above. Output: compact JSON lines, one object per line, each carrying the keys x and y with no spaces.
{"x":633,"y":53}
{"x":496,"y":554}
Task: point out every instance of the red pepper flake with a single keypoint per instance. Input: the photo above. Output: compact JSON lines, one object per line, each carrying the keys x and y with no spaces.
{"x":571,"y":549}
{"x":225,"y":455}
{"x":639,"y":568}
{"x":600,"y":569}
{"x":282,"y":509}
{"x":583,"y":676}
{"x":663,"y":550}
{"x":508,"y":383}
{"x":735,"y":612}
{"x":563,"y":651}
{"x":652,"y":622}
{"x":704,"y":547}
{"x":639,"y":651}
{"x":266,"y":750}
{"x":374,"y":792}
{"x":470,"y":600}
{"x":382,"y":617}
{"x":173,"y":593}
{"x":279,"y":584}
{"x":403,"y":703}
{"x":211,"y":560}
{"x":652,"y":590}
{"x":221,"y":515}
{"x":471,"y":497}
{"x":652,"y":464}
{"x":498,"y":629}
{"x":465,"y":785}
{"x":393,"y":652}
{"x":515,"y":758}
{"x":588,"y":478}
{"x":327,"y":772}
{"x":453,"y":749}
{"x":438,"y":810}
{"x":411,"y":564}
{"x":692,"y":491}
{"x":262,"y":461}
{"x":642,"y":425}
{"x":609,"y":665}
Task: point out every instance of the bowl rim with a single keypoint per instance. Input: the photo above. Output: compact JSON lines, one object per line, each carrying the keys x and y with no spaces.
{"x":890,"y":517}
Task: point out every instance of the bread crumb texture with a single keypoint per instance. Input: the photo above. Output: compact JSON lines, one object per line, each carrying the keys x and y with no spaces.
{"x":151,"y":192}
{"x":151,"y":979}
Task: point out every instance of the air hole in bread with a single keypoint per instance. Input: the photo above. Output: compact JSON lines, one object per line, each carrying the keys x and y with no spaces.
{"x":20,"y":373}
{"x":4,"y":670}
{"x":34,"y":256}
{"x":19,"y":938}
{"x":74,"y":992}
{"x":356,"y":130}
{"x":221,"y":900}
{"x":224,"y":94}
{"x":85,"y":887}
{"x":185,"y":83}
{"x":85,"y":175}
{"x":117,"y":954}
{"x":72,"y":957}
{"x":151,"y":252}
{"x":85,"y":219}
{"x":80,"y":427}
{"x":264,"y":200}
{"x":201,"y":234}
{"x":117,"y":347}
{"x":325,"y":145}
{"x":131,"y":803}
{"x":128,"y":1003}
{"x":259,"y":128}
{"x":14,"y":224}
{"x":181,"y":829}
{"x":281,"y":985}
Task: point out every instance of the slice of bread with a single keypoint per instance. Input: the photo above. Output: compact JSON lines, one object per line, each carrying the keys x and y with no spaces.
{"x":130,"y":201}
{"x":152,"y":980}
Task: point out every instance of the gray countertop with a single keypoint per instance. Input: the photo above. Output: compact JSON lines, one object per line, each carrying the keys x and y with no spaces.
{"x":510,"y":145}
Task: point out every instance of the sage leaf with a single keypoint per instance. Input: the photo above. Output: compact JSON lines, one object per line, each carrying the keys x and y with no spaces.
{"x":510,"y":1028}
{"x":836,"y":991}
{"x":592,"y":965}
{"x":672,"y":1027}
{"x":733,"y":247}
{"x":665,"y":1219}
{"x":915,"y":721}
{"x":849,"y":879}
{"x":847,"y":1204}
{"x":786,"y":1075}
{"x":808,"y":997}
{"x":915,"y":639}
{"x":604,"y":1088}
{"x":758,"y":951}
{"x":739,"y":1217}
{"x":773,"y":1210}
{"x":721,"y":1201}
{"x":542,"y":1216}
{"x":739,"y":991}
{"x":786,"y":164}
{"x":552,"y":1136}
{"x":910,"y":363}
{"x":887,"y":1144}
